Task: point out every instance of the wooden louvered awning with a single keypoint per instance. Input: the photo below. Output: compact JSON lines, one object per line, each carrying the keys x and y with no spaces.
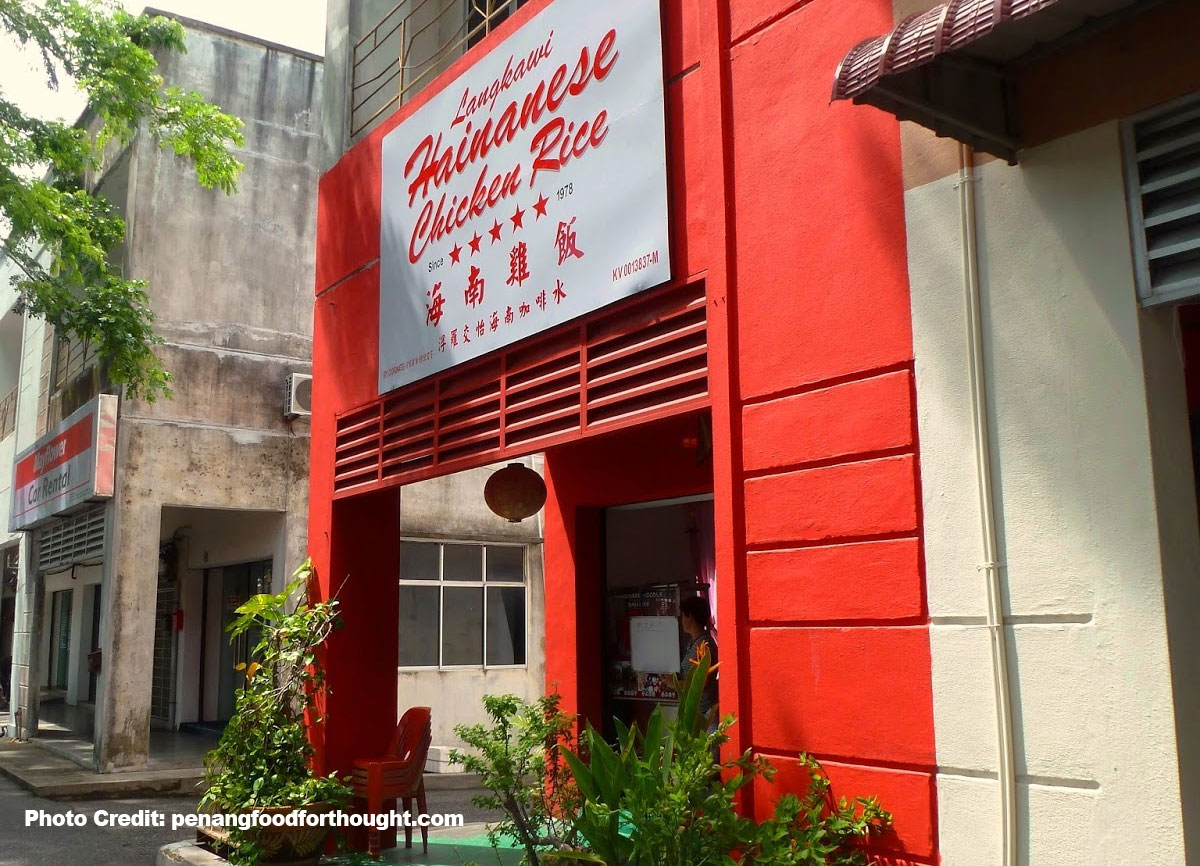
{"x":952,"y":68}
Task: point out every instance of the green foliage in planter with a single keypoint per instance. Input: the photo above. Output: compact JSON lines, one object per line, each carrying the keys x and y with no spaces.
{"x":658,"y":798}
{"x":816,"y":829}
{"x":518,"y":758}
{"x":262,"y":759}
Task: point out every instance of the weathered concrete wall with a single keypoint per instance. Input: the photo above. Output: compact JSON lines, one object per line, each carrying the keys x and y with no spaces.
{"x":231,"y":280}
{"x":452,"y":508}
{"x":166,"y":464}
{"x":345,"y":23}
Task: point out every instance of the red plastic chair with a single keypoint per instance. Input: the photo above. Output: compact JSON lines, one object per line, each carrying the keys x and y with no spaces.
{"x":399,"y":775}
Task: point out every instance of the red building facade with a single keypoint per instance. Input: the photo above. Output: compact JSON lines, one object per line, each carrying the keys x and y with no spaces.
{"x":785,"y":330}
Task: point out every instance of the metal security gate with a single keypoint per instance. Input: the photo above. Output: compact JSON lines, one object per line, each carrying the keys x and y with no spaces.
{"x":162,"y":680}
{"x":638,"y":361}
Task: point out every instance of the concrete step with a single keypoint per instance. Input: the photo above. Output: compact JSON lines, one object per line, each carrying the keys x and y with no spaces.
{"x":55,"y":777}
{"x":46,"y":774}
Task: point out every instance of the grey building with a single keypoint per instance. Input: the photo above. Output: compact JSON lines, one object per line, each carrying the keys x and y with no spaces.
{"x":210,"y":498}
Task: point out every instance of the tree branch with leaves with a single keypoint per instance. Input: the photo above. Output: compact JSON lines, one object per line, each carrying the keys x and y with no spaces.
{"x":61,"y":234}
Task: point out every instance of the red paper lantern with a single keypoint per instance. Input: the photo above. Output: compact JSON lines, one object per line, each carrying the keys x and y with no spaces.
{"x":515,"y":492}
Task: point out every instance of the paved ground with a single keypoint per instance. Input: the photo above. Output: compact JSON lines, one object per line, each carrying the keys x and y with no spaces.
{"x":82,"y":846}
{"x":99,"y":846}
{"x":47,"y":773}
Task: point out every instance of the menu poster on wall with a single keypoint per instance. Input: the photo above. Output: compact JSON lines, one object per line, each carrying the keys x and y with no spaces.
{"x":623,"y":609}
{"x":528,"y":192}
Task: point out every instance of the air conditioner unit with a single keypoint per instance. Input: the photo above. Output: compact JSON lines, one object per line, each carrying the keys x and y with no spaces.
{"x":297,"y":396}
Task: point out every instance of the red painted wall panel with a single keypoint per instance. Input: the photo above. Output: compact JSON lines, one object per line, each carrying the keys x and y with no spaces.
{"x":348,"y":206}
{"x":688,"y":193}
{"x":875,"y":580}
{"x":792,"y":210}
{"x":681,"y":36}
{"x":821,"y":252}
{"x":861,"y":693}
{"x":910,"y":795}
{"x":857,"y":417}
{"x":346,"y":327}
{"x":849,"y":500}
{"x":362,"y":570}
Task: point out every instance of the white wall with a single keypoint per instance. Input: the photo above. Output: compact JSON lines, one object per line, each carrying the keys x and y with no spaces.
{"x":456,"y":696}
{"x":29,"y":590}
{"x":1078,"y":517}
{"x":85,"y":576}
{"x":228,"y":537}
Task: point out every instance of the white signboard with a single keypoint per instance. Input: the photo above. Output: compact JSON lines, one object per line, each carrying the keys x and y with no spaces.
{"x":654,"y":644}
{"x":528,"y":192}
{"x":73,"y":463}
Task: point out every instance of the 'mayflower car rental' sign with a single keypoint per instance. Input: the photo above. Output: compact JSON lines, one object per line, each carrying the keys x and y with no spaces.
{"x":531,"y":190}
{"x":72,"y":464}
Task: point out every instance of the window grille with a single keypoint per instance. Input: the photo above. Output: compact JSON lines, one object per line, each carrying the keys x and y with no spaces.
{"x":77,"y":377}
{"x":1162,"y":164}
{"x":409,"y":46}
{"x":71,"y":540}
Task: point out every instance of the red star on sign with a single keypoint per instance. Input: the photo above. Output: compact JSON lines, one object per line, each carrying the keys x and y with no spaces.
{"x":455,"y":253}
{"x":518,"y":219}
{"x":494,"y":231}
{"x":474,"y":243}
{"x":540,"y":206}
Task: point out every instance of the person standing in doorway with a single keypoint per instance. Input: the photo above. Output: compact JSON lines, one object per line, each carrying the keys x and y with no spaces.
{"x":695,"y":619}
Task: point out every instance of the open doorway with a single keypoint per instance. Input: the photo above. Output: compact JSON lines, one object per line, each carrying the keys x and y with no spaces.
{"x":225,"y":590}
{"x":656,"y":555}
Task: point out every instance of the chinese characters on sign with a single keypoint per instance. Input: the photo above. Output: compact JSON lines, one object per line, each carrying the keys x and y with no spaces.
{"x":530,"y":191}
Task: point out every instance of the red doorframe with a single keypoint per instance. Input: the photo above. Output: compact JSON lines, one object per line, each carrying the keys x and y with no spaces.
{"x":650,"y":462}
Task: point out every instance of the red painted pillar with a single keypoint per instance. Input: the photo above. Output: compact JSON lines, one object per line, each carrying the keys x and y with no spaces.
{"x":360,"y":659}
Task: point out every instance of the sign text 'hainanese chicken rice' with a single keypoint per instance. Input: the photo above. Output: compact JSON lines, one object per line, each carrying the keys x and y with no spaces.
{"x":530,"y":190}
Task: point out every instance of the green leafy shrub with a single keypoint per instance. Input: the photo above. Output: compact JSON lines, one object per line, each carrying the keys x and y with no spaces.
{"x":262,"y":759}
{"x":815,"y":829}
{"x":658,"y":798}
{"x":518,"y":758}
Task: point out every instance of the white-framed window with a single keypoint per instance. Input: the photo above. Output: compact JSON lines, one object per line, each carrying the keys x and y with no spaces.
{"x":462,"y":604}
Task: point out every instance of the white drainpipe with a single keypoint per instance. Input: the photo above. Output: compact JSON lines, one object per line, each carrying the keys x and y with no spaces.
{"x":991,"y":565}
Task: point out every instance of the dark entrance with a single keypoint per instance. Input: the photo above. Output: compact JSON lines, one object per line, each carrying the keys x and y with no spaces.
{"x":656,"y":554}
{"x":225,"y":590}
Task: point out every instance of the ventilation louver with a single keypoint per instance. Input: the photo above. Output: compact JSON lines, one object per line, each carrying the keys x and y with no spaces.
{"x":71,"y":540}
{"x":1163,"y":171}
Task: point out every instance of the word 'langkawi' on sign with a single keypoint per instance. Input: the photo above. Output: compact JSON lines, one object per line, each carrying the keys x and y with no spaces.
{"x":529,"y":191}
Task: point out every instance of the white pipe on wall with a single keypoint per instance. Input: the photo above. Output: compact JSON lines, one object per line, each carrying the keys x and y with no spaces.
{"x":991,"y":566}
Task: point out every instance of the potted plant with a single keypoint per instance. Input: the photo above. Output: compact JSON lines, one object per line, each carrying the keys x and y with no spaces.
{"x":262,"y":762}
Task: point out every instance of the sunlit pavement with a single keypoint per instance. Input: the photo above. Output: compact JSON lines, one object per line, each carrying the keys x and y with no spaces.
{"x":88,"y":845}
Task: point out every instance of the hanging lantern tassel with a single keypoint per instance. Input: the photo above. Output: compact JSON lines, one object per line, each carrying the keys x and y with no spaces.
{"x":515,"y":492}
